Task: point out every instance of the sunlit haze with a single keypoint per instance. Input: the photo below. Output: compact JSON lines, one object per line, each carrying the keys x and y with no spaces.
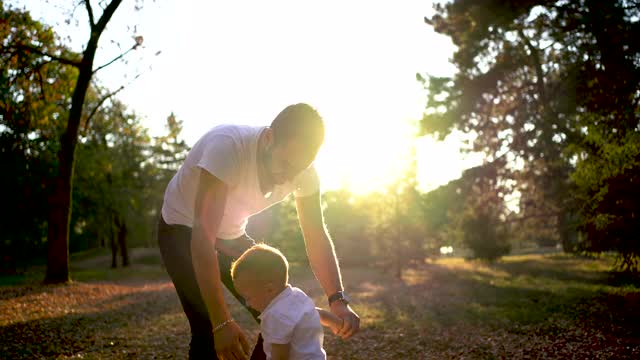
{"x":243,"y":61}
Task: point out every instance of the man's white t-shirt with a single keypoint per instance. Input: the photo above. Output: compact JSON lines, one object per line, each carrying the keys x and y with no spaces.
{"x":229,"y":152}
{"x":291,"y":318}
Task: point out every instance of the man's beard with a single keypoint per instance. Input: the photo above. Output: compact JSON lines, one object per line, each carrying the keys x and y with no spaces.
{"x":266,"y":160}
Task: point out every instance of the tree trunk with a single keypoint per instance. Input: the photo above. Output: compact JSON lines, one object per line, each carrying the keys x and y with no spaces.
{"x":60,"y":200}
{"x":113,"y":234}
{"x":122,"y":243}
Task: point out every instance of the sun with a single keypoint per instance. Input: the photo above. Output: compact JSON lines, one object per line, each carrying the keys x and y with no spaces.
{"x":365,"y":157}
{"x":363,"y":162}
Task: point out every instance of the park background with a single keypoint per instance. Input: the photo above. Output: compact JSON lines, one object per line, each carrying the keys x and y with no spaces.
{"x":480,"y":173}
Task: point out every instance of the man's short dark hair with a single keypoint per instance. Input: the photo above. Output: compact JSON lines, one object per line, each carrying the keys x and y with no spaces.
{"x":299,"y":121}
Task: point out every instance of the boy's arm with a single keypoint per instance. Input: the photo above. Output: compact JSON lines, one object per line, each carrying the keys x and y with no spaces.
{"x":330,"y":320}
{"x":280,"y":351}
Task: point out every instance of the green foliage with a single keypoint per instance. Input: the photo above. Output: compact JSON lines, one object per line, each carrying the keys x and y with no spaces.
{"x":487,"y":239}
{"x":34,"y":94}
{"x":441,"y":208}
{"x":120,"y":172}
{"x":170,"y":150}
{"x":348,"y":223}
{"x":482,"y":218}
{"x":113,"y":179}
{"x":393,"y":225}
{"x":278,"y":226}
{"x":552,"y":89}
{"x":383,"y":228}
{"x":286,"y":233}
{"x":609,"y":185}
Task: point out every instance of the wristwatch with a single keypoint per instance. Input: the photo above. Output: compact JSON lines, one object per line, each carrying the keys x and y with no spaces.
{"x":339,"y":296}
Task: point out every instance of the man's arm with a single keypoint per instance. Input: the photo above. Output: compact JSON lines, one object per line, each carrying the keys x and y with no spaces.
{"x":280,"y":351}
{"x":323,"y":259}
{"x":211,"y":197}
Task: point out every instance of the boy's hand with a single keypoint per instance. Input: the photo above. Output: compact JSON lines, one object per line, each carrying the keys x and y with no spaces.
{"x":350,"y":320}
{"x":336,"y":326}
{"x":230,"y":343}
{"x":330,"y":320}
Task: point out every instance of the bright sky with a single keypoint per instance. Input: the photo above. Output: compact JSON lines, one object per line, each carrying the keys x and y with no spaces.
{"x":243,"y":61}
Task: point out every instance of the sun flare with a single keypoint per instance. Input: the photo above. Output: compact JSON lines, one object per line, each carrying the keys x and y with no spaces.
{"x":363,"y":158}
{"x":364,"y":162}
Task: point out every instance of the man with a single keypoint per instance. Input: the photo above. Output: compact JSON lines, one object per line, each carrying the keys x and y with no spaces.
{"x":231,"y":173}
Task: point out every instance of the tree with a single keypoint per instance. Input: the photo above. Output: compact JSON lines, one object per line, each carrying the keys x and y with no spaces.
{"x":441,"y":208}
{"x":395,"y":227}
{"x":34,"y":96}
{"x":60,"y":213}
{"x":114,"y":179}
{"x":608,"y":189}
{"x":60,"y":198}
{"x":537,"y":82}
{"x":482,"y":219}
{"x":168,"y":152}
{"x":348,"y":222}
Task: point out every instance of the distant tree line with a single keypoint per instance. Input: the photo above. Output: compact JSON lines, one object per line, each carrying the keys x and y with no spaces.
{"x":551,"y":90}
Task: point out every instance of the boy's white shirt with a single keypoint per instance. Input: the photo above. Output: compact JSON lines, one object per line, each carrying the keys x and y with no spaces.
{"x":229,"y":152}
{"x":291,"y":318}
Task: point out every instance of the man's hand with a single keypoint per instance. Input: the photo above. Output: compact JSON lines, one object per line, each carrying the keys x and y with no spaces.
{"x":350,"y":320}
{"x":231,"y":344}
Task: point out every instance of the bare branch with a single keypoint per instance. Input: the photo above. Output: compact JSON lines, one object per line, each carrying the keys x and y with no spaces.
{"x":35,"y":70}
{"x":115,"y":59}
{"x":538,"y":69}
{"x":25,"y":47}
{"x":41,"y":82}
{"x":90,"y":13}
{"x":106,"y":15}
{"x":95,"y":109}
{"x":93,"y":112}
{"x":534,"y":216}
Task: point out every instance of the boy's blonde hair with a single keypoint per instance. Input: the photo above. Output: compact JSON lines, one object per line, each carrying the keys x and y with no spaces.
{"x":264,"y":263}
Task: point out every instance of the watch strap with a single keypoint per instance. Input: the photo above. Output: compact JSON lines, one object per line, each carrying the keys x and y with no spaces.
{"x":340,"y":295}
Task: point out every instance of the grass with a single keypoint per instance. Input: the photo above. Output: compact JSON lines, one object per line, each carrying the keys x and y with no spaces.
{"x":528,"y":289}
{"x":551,"y":305}
{"x":525,"y":302}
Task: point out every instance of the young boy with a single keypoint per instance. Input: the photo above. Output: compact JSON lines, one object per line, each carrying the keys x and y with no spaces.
{"x":290,"y":324}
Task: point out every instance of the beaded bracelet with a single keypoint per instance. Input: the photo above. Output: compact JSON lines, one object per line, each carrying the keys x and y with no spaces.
{"x":221,"y":325}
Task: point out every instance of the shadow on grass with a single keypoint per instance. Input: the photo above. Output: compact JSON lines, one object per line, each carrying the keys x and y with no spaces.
{"x":472,"y":313}
{"x":570,"y":267}
{"x":132,"y":273}
{"x":472,"y":297}
{"x":74,"y":333}
{"x":543,"y":269}
{"x":25,"y":278}
{"x":95,"y":265}
{"x":476,"y":296}
{"x":618,"y":278}
{"x":32,"y":282}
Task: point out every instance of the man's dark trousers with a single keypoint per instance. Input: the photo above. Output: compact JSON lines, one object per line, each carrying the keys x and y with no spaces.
{"x":175,"y":248}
